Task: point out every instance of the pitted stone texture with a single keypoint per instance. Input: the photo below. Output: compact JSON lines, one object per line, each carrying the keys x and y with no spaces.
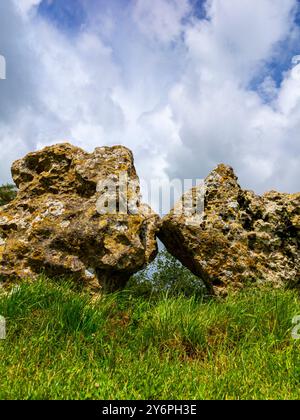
{"x":239,"y":237}
{"x":58,"y":224}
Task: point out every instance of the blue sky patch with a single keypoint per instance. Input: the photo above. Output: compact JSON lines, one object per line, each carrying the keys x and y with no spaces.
{"x":199,"y":8}
{"x":68,"y":15}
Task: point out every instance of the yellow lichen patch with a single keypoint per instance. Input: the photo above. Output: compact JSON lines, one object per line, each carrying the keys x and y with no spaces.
{"x":240,"y":237}
{"x":1,"y":251}
{"x":55,"y":226}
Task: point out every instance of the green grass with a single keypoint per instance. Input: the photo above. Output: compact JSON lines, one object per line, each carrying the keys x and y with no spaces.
{"x":62,"y":345}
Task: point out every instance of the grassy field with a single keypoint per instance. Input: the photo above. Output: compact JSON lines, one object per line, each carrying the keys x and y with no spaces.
{"x":62,"y":345}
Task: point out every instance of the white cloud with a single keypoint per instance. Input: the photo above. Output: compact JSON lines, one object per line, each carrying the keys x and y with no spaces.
{"x":25,"y":6}
{"x":289,"y":96}
{"x":161,"y":19}
{"x":173,"y":88}
{"x":234,"y":42}
{"x":220,"y":118}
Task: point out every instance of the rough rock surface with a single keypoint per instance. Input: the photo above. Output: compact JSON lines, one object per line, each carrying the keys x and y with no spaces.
{"x":239,"y":237}
{"x":60,"y":224}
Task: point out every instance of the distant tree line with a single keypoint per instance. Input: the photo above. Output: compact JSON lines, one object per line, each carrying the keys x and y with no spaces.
{"x":7,"y":193}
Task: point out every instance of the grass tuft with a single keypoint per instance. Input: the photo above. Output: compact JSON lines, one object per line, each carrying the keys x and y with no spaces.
{"x":60,"y":344}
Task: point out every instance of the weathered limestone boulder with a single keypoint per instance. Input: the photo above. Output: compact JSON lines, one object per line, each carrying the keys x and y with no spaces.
{"x":78,"y":215}
{"x":237,"y":237}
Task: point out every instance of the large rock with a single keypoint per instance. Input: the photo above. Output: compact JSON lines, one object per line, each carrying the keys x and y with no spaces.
{"x":78,"y":215}
{"x":239,"y":237}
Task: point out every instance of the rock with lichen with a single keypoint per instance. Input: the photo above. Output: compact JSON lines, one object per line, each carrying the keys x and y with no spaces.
{"x":237,"y":237}
{"x":77,"y":215}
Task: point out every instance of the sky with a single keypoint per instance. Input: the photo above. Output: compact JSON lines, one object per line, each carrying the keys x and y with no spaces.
{"x":185,"y":84}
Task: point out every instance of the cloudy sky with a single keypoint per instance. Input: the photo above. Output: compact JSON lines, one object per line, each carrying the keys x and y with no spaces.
{"x":186,"y":84}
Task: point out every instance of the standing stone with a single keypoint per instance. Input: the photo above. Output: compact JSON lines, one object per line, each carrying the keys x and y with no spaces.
{"x":239,"y":237}
{"x":77,"y":215}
